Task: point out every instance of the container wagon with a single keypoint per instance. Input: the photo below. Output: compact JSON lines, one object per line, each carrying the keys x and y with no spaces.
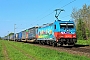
{"x":11,"y":37}
{"x":20,"y":36}
{"x":16,"y":36}
{"x":24,"y":36}
{"x":31,"y":34}
{"x":6,"y":38}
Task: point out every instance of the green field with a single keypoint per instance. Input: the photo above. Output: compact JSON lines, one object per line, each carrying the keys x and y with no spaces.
{"x":26,"y":51}
{"x":83,"y":42}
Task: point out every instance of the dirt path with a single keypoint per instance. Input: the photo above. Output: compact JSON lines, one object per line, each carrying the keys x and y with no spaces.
{"x":5,"y":53}
{"x":23,"y":52}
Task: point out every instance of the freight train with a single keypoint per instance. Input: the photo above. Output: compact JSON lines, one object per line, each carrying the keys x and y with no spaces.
{"x":56,"y":34}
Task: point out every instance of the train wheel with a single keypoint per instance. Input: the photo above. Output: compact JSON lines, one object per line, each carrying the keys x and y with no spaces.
{"x":54,"y":44}
{"x":61,"y":44}
{"x":43,"y":43}
{"x":39,"y":42}
{"x":58,"y":44}
{"x":50,"y":43}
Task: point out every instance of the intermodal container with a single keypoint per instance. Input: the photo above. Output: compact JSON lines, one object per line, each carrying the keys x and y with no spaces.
{"x":11,"y":37}
{"x":20,"y":35}
{"x":23,"y":35}
{"x":32,"y":33}
{"x":17,"y":35}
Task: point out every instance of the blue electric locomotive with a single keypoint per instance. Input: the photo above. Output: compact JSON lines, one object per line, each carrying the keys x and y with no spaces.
{"x":57,"y":33}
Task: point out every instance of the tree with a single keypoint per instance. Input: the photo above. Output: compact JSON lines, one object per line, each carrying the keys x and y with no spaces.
{"x":82,"y":17}
{"x":0,"y":38}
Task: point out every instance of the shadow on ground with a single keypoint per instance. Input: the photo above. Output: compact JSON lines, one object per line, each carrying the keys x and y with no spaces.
{"x":75,"y":46}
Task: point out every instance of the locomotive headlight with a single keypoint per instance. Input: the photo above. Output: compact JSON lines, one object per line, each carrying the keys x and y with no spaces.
{"x":62,"y":36}
{"x":62,"y":32}
{"x":74,"y":36}
{"x":67,"y":30}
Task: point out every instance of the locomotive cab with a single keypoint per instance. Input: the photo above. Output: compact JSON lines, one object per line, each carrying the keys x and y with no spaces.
{"x":65,"y":32}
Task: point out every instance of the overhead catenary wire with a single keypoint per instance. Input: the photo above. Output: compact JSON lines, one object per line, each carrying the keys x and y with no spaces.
{"x":53,"y":11}
{"x":70,"y":14}
{"x":52,"y":7}
{"x":43,"y":17}
{"x":68,"y":3}
{"x":65,"y":6}
{"x":46,"y":11}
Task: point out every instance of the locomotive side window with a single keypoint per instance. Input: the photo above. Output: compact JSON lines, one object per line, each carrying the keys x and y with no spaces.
{"x":54,"y":26}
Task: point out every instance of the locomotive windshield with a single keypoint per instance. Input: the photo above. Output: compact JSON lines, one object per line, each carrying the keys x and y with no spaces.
{"x":70,"y":25}
{"x":63,"y":25}
{"x":66,"y":25}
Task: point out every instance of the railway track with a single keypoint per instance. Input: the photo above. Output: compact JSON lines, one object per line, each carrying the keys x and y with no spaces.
{"x":77,"y":49}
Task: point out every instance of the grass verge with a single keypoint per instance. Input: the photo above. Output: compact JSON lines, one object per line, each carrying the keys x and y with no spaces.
{"x":36,"y":51}
{"x":47,"y":54}
{"x":13,"y":53}
{"x":1,"y":51}
{"x":83,"y":42}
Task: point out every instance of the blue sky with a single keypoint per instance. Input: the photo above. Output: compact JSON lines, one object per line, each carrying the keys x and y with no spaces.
{"x":29,"y":13}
